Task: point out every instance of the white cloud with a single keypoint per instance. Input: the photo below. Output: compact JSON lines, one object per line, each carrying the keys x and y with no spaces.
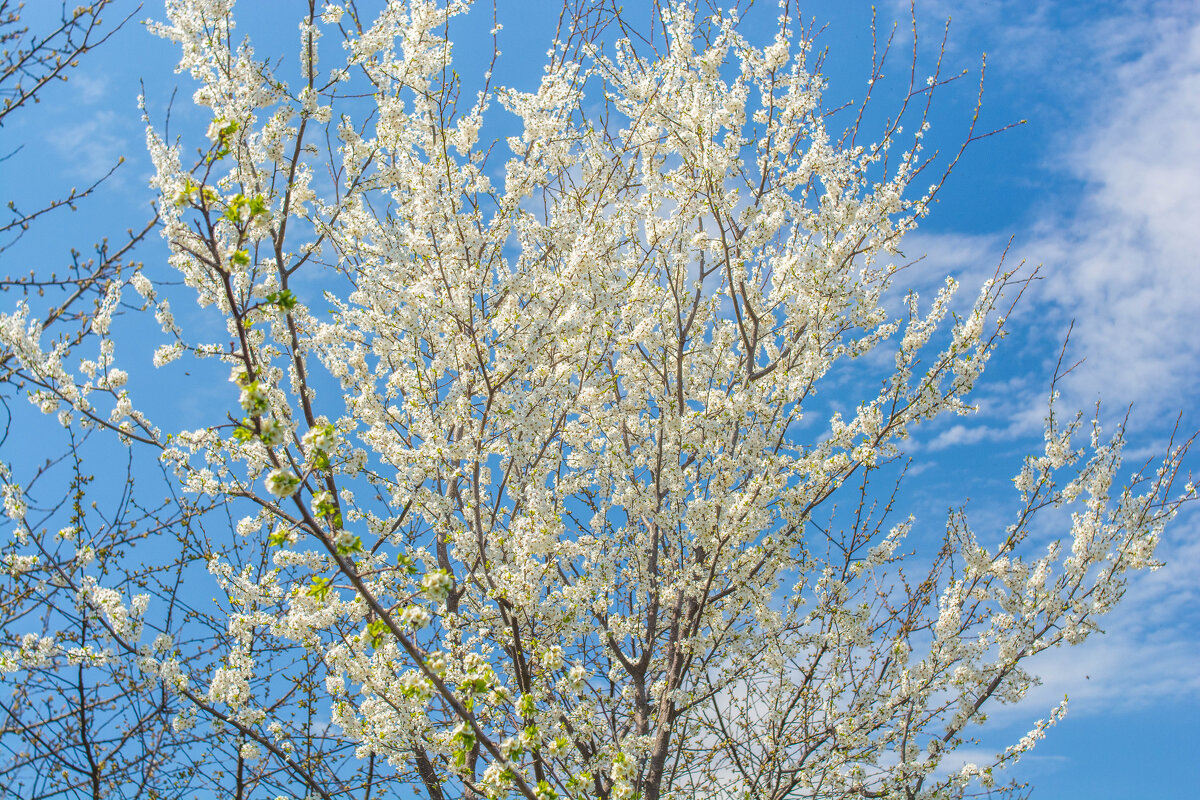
{"x":970,"y":258}
{"x":1017,"y":411}
{"x":1122,"y":258}
{"x":1126,"y":265}
{"x":960,"y":434}
{"x":90,"y":148}
{"x":89,"y":87}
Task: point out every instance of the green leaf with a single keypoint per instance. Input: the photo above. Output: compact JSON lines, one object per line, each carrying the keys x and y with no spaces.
{"x":376,"y":631}
{"x":320,"y":587}
{"x":283,"y":298}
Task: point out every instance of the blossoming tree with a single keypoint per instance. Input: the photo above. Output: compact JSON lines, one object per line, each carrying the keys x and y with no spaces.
{"x":63,"y":727}
{"x":514,"y":434}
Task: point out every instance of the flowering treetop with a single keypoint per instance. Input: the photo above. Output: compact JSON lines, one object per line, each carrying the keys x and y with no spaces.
{"x":516,"y":423}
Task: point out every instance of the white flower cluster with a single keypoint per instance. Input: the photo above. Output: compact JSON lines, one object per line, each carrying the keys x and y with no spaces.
{"x":33,"y":652}
{"x":15,"y":565}
{"x":622,"y":775}
{"x":415,"y":617}
{"x":282,"y":482}
{"x":124,"y":621}
{"x":14,"y":502}
{"x":437,"y":585}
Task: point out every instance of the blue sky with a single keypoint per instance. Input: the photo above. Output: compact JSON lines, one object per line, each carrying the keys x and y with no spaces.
{"x":1101,"y":186}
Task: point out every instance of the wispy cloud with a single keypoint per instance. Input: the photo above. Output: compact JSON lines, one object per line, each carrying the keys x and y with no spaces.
{"x":1117,"y":239}
{"x":90,"y":87}
{"x":91,"y":147}
{"x":1120,"y":245}
{"x":1126,"y":263}
{"x":1121,"y":250}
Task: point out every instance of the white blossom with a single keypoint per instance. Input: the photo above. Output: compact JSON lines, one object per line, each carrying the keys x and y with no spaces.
{"x":554,"y":380}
